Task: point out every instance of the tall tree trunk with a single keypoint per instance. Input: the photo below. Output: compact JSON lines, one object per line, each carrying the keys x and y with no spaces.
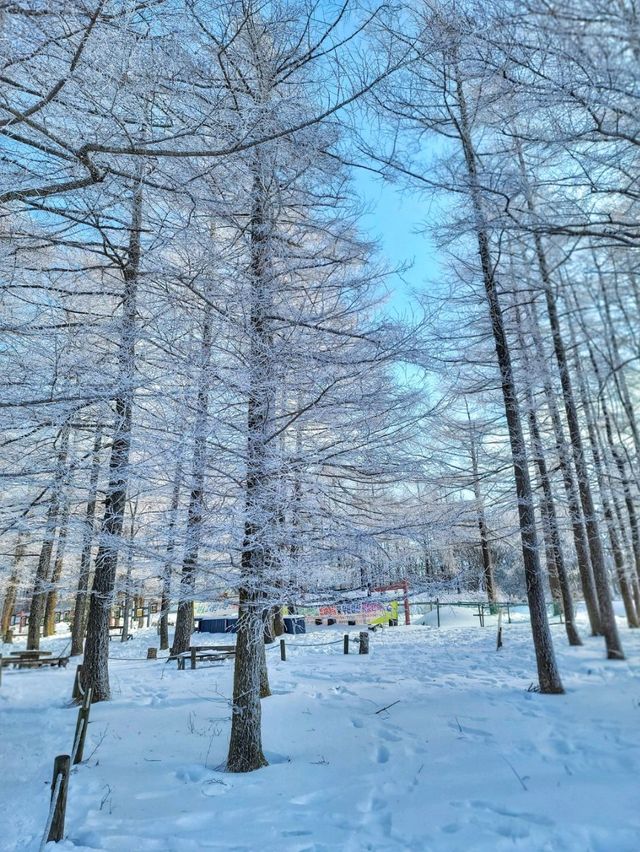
{"x":626,"y":590}
{"x":167,"y":568}
{"x":553,"y":544}
{"x":485,"y":545}
{"x":81,"y":607}
{"x":607,"y":617}
{"x":245,"y":746}
{"x":11,"y":592}
{"x":36,"y":610}
{"x":95,"y":670}
{"x":195,"y":514}
{"x":128,"y":590}
{"x":573,"y":500}
{"x":58,"y":564}
{"x":548,"y":674}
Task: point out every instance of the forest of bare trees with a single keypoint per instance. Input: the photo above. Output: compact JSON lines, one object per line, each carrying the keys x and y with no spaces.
{"x":205,"y":391}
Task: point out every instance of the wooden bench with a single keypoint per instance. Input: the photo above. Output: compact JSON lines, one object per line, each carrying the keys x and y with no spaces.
{"x":204,"y":653}
{"x":33,"y":660}
{"x":116,"y":633}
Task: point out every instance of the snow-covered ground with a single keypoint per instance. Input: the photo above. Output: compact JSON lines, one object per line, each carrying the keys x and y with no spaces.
{"x":464,"y":758}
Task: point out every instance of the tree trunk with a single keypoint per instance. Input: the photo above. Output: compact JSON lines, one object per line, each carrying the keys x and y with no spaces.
{"x":81,"y":608}
{"x":126,"y":614}
{"x":548,"y":675}
{"x":36,"y":610}
{"x":95,"y":670}
{"x":553,"y":544}
{"x":184,"y":618}
{"x":58,"y":564}
{"x":568,"y":479}
{"x":607,"y":618}
{"x":167,"y":568}
{"x":11,"y":592}
{"x":485,"y":546}
{"x":245,"y":746}
{"x":626,"y":590}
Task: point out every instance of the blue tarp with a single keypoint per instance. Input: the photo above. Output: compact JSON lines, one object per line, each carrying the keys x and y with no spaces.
{"x":292,"y":624}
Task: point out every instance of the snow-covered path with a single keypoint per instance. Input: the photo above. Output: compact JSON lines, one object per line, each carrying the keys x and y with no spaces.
{"x":466,"y":759}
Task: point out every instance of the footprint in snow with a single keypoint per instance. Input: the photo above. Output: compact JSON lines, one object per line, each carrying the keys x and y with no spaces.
{"x":382,"y":755}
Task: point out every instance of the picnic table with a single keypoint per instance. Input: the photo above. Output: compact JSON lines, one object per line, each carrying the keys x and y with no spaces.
{"x":116,"y":633}
{"x":33,"y":660}
{"x":214,"y":653}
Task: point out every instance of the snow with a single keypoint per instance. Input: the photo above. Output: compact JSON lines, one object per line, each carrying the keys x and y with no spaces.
{"x":467,"y":759}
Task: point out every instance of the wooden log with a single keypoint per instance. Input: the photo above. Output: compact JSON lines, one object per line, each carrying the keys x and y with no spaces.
{"x":364,"y":642}
{"x":61,"y":766}
{"x":152,"y":653}
{"x":346,"y":643}
{"x":283,"y":650}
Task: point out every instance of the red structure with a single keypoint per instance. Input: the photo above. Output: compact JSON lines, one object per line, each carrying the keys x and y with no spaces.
{"x":405,"y":588}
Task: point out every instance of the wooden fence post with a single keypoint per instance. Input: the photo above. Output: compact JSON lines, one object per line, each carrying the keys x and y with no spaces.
{"x":61,"y":766}
{"x":346,"y":643}
{"x":78,"y":692}
{"x":81,"y":727}
{"x":193,"y":658}
{"x":152,"y":653}
{"x":283,"y":650}
{"x":438,"y":610}
{"x":364,"y":642}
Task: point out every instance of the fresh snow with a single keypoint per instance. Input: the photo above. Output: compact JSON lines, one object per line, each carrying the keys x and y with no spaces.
{"x":465,"y":758}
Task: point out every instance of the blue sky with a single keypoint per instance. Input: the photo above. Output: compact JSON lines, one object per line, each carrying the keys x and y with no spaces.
{"x":394,"y":216}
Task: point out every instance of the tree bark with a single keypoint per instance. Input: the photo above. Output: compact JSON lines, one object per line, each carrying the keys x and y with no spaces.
{"x":548,"y":674}
{"x":195,"y":516}
{"x":607,"y":618}
{"x":553,"y":544}
{"x":573,"y":500}
{"x":80,"y":611}
{"x":95,"y":670}
{"x":37,"y":608}
{"x":58,"y":564}
{"x":167,"y":568}
{"x":11,"y":593}
{"x":245,"y":746}
{"x":485,"y":546}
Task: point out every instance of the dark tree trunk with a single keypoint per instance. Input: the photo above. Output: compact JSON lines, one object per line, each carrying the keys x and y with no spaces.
{"x":626,"y":590}
{"x":95,"y":669}
{"x":261,"y":515}
{"x":37,"y":608}
{"x":167,"y":568}
{"x":195,"y":516}
{"x":485,"y":545}
{"x":81,"y":608}
{"x":548,"y":675}
{"x":607,"y":618}
{"x":553,"y":545}
{"x":128,"y":583}
{"x":58,"y":564}
{"x":568,"y":479}
{"x":11,"y":593}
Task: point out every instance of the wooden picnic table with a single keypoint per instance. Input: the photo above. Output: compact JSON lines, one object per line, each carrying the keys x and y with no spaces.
{"x":214,"y":653}
{"x":33,"y":660}
{"x":31,"y":653}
